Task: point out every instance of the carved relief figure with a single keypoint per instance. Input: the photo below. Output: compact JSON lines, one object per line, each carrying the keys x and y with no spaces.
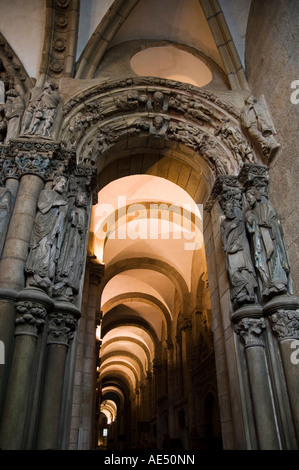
{"x":5,"y":209}
{"x":256,"y":121}
{"x":233,"y":138}
{"x":159,"y":126}
{"x":47,"y":236}
{"x":13,"y":111}
{"x":239,"y":266}
{"x":39,"y":117}
{"x":70,"y":263}
{"x":270,"y":254}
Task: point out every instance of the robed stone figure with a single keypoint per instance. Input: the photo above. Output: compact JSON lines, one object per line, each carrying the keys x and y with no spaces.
{"x":270,"y":254}
{"x":47,"y":236}
{"x":239,"y":266}
{"x":5,"y":212}
{"x":71,"y":261}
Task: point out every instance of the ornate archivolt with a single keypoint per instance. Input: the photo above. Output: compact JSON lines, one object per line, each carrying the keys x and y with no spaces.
{"x":111,"y":113}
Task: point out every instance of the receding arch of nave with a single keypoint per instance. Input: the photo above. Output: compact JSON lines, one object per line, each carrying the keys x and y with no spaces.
{"x":189,"y":136}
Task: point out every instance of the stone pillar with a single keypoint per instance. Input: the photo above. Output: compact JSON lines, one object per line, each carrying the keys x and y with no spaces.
{"x":94,"y":317}
{"x":246,"y":310}
{"x":32,"y":306}
{"x":250,"y":331}
{"x":187,"y":344}
{"x":274,"y":276}
{"x":61,"y":326}
{"x":171,"y":388}
{"x":13,"y":261}
{"x":284,"y":318}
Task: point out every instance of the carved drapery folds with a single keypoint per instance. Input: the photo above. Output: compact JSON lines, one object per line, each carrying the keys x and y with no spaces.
{"x":239,"y":266}
{"x":257,"y":264}
{"x":263,"y":224}
{"x":251,"y":225}
{"x":58,"y":241}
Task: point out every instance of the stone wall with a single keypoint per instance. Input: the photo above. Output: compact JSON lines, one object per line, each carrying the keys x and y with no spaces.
{"x":272,"y":66}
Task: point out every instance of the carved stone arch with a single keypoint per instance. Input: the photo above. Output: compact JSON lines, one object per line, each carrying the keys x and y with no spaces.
{"x":12,"y":72}
{"x":118,"y":116}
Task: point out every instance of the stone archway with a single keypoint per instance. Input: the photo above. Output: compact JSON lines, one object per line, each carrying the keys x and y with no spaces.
{"x":163,"y":128}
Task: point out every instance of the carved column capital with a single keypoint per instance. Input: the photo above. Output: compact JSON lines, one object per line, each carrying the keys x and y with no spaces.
{"x":63,"y":323}
{"x":285,"y":323}
{"x":250,"y":330}
{"x":30,"y":318}
{"x":46,"y":159}
{"x":32,"y":306}
{"x":61,"y":328}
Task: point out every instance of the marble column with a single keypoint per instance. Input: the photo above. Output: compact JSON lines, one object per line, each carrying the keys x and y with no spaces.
{"x":61,"y":326}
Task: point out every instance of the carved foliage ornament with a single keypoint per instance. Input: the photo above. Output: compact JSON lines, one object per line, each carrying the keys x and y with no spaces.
{"x":61,"y":328}
{"x":285,"y":323}
{"x":30,"y":317}
{"x":250,"y":330}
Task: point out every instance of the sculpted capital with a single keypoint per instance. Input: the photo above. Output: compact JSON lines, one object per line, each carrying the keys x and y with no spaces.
{"x":285,"y":323}
{"x":250,"y":330}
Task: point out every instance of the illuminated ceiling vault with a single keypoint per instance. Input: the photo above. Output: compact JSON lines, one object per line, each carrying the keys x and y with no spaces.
{"x":148,"y":232}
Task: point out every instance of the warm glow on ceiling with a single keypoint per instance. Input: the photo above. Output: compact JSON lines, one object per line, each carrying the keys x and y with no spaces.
{"x":138,"y":301}
{"x":171,"y":63}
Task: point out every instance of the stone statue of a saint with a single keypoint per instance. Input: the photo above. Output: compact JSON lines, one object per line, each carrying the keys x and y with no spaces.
{"x":271,"y":260}
{"x":13,"y":112}
{"x":239,"y":266}
{"x":42,"y":110}
{"x":71,"y":261}
{"x":47,"y":236}
{"x":256,"y":121}
{"x":5,"y":211}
